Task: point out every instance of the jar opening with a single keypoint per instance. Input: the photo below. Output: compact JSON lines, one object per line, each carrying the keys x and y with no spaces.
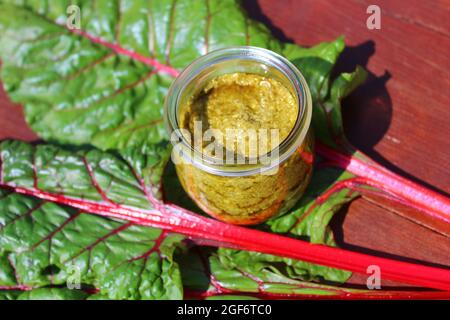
{"x":237,"y":60}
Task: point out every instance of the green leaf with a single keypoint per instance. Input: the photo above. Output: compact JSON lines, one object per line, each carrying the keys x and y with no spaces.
{"x":42,"y":243}
{"x":10,"y":294}
{"x":254,"y":275}
{"x":316,"y":63}
{"x":254,"y":263}
{"x":88,"y":173}
{"x":76,"y":91}
{"x":47,"y":244}
{"x":342,"y":86}
{"x":44,"y":294}
{"x":311,"y":215}
{"x":210,"y":275}
{"x":53,"y":294}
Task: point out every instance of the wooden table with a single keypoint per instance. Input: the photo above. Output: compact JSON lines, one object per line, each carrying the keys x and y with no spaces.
{"x":400,"y":117}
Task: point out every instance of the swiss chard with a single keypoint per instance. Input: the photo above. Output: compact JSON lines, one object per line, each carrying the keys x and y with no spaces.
{"x":44,"y":244}
{"x":104,"y":86}
{"x":117,"y":189}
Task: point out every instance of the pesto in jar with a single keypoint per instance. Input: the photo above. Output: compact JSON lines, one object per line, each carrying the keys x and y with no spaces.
{"x":245,"y":101}
{"x":242,"y":101}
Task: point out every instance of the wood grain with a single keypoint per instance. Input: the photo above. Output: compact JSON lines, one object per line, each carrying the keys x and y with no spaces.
{"x":400,"y":117}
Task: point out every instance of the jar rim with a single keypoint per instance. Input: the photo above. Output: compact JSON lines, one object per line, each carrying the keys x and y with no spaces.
{"x":266,"y":57}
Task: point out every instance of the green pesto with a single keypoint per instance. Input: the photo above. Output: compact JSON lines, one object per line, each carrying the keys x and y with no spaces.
{"x":244,"y":101}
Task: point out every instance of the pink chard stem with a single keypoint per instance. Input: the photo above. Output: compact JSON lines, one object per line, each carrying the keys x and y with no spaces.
{"x":407,"y":192}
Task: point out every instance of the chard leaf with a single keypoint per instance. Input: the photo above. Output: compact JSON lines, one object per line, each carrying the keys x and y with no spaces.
{"x":316,"y":64}
{"x":42,"y":243}
{"x":46,"y":244}
{"x":89,"y":174}
{"x":311,"y":215}
{"x":106,"y":85}
{"x":10,"y":294}
{"x":342,"y":86}
{"x":255,"y":276}
{"x":53,"y":294}
{"x":208,"y":275}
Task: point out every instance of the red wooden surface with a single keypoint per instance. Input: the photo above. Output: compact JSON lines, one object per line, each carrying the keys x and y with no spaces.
{"x":400,"y":117}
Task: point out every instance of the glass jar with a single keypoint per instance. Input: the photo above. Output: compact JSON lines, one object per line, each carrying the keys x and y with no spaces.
{"x":252,"y":191}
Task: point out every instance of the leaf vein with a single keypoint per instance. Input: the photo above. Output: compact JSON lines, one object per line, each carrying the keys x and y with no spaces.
{"x":101,"y":239}
{"x":171,"y":27}
{"x":58,"y":229}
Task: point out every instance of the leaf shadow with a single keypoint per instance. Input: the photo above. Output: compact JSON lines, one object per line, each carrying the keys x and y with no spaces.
{"x":367,"y":112}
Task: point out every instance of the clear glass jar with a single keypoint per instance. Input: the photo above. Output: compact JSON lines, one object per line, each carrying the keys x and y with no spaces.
{"x":250,"y":192}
